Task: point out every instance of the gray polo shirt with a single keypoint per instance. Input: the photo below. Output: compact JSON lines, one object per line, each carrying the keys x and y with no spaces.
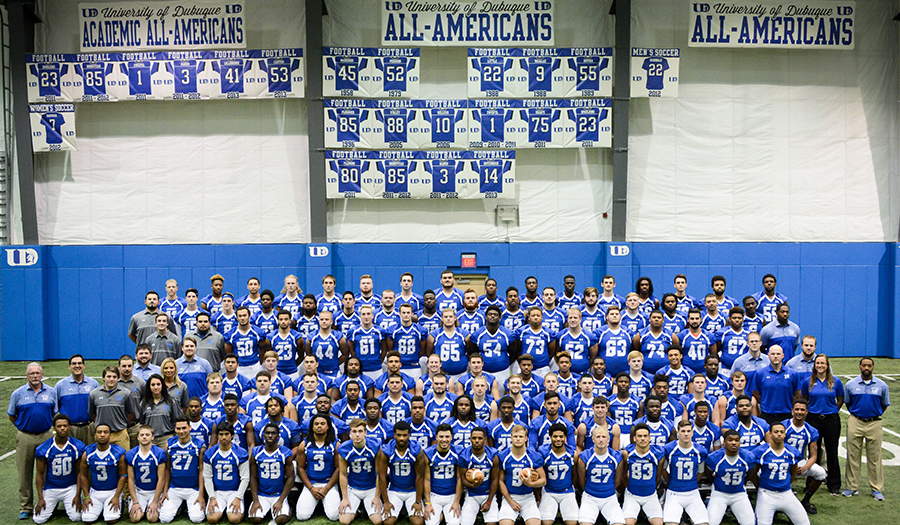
{"x":111,"y":407}
{"x":161,"y":416}
{"x":211,"y":347}
{"x":136,"y":385}
{"x":143,"y":324}
{"x":163,"y":346}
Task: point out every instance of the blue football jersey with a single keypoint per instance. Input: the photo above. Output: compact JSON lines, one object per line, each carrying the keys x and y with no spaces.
{"x":395,"y":73}
{"x":103,"y":466}
{"x":492,"y":73}
{"x":443,"y":469}
{"x":559,"y":468}
{"x":600,"y":472}
{"x":48,"y":76}
{"x":270,"y":469}
{"x":484,"y":462}
{"x":146,"y":468}
{"x":643,"y":469}
{"x":730,"y":473}
{"x":684,"y":465}
{"x":512,"y":466}
{"x":184,"y":463}
{"x":402,"y":466}
{"x":540,"y":74}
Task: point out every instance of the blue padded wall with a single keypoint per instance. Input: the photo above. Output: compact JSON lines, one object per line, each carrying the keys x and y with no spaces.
{"x":78,"y":299}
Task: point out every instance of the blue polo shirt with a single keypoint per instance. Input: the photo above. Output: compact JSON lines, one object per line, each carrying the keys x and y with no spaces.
{"x":33,"y":410}
{"x":72,"y":397}
{"x":193,"y":373}
{"x":822,"y":401}
{"x":784,"y":335}
{"x":776,"y":389}
{"x":864,"y":399}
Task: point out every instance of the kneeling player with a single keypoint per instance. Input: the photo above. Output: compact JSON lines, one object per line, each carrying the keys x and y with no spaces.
{"x":802,"y":436}
{"x":56,"y":478}
{"x":730,"y":467}
{"x":271,"y":478}
{"x":479,"y":472}
{"x":146,"y":476}
{"x":356,"y":469}
{"x":520,"y":473}
{"x":226,"y":475}
{"x":643,"y":473}
{"x":777,"y":469}
{"x":316,"y":467}
{"x":559,"y":492}
{"x":401,"y":467}
{"x":441,"y":482}
{"x":600,"y":470}
{"x":184,"y":474}
{"x":103,"y":473}
{"x":684,"y":460}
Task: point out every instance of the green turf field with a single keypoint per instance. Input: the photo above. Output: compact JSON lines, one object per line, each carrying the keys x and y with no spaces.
{"x":832,"y":510}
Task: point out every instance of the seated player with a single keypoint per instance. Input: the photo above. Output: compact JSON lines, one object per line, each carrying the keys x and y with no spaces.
{"x":349,"y":407}
{"x":433,"y":366}
{"x":401,"y":465}
{"x":146,"y":476}
{"x":482,"y":402}
{"x":679,"y":376}
{"x":753,"y":430}
{"x":395,"y":403}
{"x":671,"y":410}
{"x":558,"y":495}
{"x":56,"y":473}
{"x":317,"y":469}
{"x":463,"y":385}
{"x":103,"y":475}
{"x":578,"y":342}
{"x":226,"y":476}
{"x":450,"y":345}
{"x":521,"y":472}
{"x":479,"y":473}
{"x":583,"y":400}
{"x":271,"y":479}
{"x":601,"y":418}
{"x":462,"y":420}
{"x":726,"y":406}
{"x":802,"y":436}
{"x":777,"y":469}
{"x":568,"y":381}
{"x":599,"y":471}
{"x":241,"y":423}
{"x":643,"y":462}
{"x":492,"y":343}
{"x":368,"y":342}
{"x":357,"y":474}
{"x":532,"y":384}
{"x":698,"y":394}
{"x":408,"y":339}
{"x":683,"y":460}
{"x":539,"y":428}
{"x":393,"y":363}
{"x":641,"y":382}
{"x":499,"y":430}
{"x":696,"y":341}
{"x":653,"y":342}
{"x":624,"y":409}
{"x":422,"y":429}
{"x":522,"y":402}
{"x":353,"y":368}
{"x":534,"y":340}
{"x":706,"y":434}
{"x":184,"y":475}
{"x":289,"y":431}
{"x":440,"y":481}
{"x":730,"y":467}
{"x":614,"y":342}
{"x":662,"y":430}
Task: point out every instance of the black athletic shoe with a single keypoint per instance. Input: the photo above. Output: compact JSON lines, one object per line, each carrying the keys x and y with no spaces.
{"x":810,"y":508}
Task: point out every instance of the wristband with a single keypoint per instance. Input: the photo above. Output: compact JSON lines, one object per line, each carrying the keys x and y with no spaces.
{"x":427,"y":503}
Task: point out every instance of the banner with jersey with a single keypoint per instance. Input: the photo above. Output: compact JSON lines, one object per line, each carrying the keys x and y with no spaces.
{"x":540,"y":73}
{"x":474,"y":124}
{"x":464,"y":22}
{"x":654,"y":72}
{"x":773,"y":24}
{"x":168,"y":24}
{"x":420,"y":174}
{"x":52,"y":127}
{"x":370,"y":72}
{"x":172,"y":75}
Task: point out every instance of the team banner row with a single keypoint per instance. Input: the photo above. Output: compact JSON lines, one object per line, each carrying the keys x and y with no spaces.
{"x":420,"y":174}
{"x":468,"y":124}
{"x":175,"y":75}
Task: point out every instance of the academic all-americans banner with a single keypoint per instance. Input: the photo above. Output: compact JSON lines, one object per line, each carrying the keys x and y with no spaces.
{"x":467,"y":22}
{"x":772,"y":24}
{"x":162,"y":25}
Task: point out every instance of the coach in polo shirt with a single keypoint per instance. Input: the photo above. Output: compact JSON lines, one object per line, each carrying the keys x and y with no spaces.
{"x":775,"y":388}
{"x":72,"y":394}
{"x":867,"y":398}
{"x":31,"y":409}
{"x":210,"y":344}
{"x":782,"y":332}
{"x":113,"y":405}
{"x":143,"y":323}
{"x":754,"y":359}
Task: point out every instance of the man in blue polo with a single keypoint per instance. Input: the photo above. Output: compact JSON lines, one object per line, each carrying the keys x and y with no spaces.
{"x":867,"y":398}
{"x":72,"y":394}
{"x":775,"y":388}
{"x":31,"y":409}
{"x":782,"y":332}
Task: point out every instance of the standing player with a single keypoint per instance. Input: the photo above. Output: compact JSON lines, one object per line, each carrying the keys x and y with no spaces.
{"x":512,"y":316}
{"x":479,"y":473}
{"x":252,"y":300}
{"x":539,"y":429}
{"x":653,"y":341}
{"x":599,"y":471}
{"x":706,"y":434}
{"x":753,"y":321}
{"x":716,"y":383}
{"x":643,"y":460}
{"x":569,"y":298}
{"x":403,"y":461}
{"x":768,"y":299}
{"x":685,"y":301}
{"x":450,"y":345}
{"x":714,"y":318}
{"x":601,"y":418}
{"x":662,"y":430}
{"x":428,"y":317}
{"x":609,"y":297}
{"x":493,"y":342}
{"x":723,"y":302}
{"x":500,"y":429}
{"x":329,"y":347}
{"x":306,"y":320}
{"x":184,"y":475}
{"x":226,"y":474}
{"x":470,"y":318}
{"x":592,"y":316}
{"x":388,"y":317}
{"x":56,"y":476}
{"x":673,"y":321}
{"x":644,"y":288}
{"x":357,"y":474}
{"x":559,"y":492}
{"x":614,"y":342}
{"x":535,"y":340}
{"x":439,"y":402}
{"x":103,"y":477}
{"x":187,"y":317}
{"x":633,"y":319}
{"x":777,"y":469}
{"x":288,"y":344}
{"x":623,"y":408}
{"x":422,"y":429}
{"x":407,"y":296}
{"x":732,"y":339}
{"x":730,"y":467}
{"x":316,"y":468}
{"x":408,"y":340}
{"x":146,"y":476}
{"x":579,"y":343}
{"x":490,"y":296}
{"x":530,"y":299}
{"x":271,"y":479}
{"x":679,"y":376}
{"x":367,"y":342}
{"x":225,"y":319}
{"x":683,"y":468}
{"x":290,"y":299}
{"x":347,"y":318}
{"x":553,"y":318}
{"x":247,"y":342}
{"x":266,"y":317}
{"x":441,"y":482}
{"x":328,"y":300}
{"x":521,"y":472}
{"x":447,"y":295}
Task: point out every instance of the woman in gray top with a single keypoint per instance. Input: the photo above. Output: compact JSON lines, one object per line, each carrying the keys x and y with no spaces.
{"x":159,"y":410}
{"x":177,"y":389}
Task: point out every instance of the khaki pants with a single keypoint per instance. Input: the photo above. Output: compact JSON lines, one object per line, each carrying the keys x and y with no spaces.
{"x":872,"y":433}
{"x":120,"y":438}
{"x":162,"y":441}
{"x":84,"y":434}
{"x":132,"y":436}
{"x":25,"y":447}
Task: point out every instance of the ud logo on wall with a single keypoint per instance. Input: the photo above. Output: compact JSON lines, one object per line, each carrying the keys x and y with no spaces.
{"x":318,"y":251}
{"x":619,"y":250}
{"x":21,"y":256}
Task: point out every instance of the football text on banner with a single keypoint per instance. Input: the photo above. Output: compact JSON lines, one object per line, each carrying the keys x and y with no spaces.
{"x":52,"y":127}
{"x":773,"y":24}
{"x":654,"y":72}
{"x":370,"y":72}
{"x":467,"y":22}
{"x":420,"y":174}
{"x":161,"y":25}
{"x":170,"y":75}
{"x":540,"y":73}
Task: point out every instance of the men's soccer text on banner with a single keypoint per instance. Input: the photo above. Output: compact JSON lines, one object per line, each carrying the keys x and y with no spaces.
{"x":420,"y":174}
{"x":158,"y":25}
{"x":654,"y":72}
{"x":537,"y":73}
{"x":52,"y":127}
{"x":173,"y":75}
{"x":474,"y":124}
{"x":370,"y":72}
{"x":467,"y":22}
{"x":773,"y":24}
